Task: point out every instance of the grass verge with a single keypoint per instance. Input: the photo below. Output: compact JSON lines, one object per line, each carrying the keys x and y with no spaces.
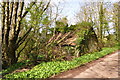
{"x":47,"y":69}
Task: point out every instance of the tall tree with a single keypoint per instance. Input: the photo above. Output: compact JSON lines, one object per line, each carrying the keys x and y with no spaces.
{"x":13,"y":14}
{"x":118,"y":21}
{"x":115,"y":19}
{"x":39,"y":34}
{"x":101,"y":19}
{"x":87,"y":40}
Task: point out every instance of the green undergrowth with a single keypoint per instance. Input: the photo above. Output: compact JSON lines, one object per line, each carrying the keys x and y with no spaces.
{"x":47,"y":69}
{"x":14,"y":67}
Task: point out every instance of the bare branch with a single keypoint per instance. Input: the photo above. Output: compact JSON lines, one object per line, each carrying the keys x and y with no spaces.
{"x":15,"y":16}
{"x":46,"y":7}
{"x":24,"y":37}
{"x":18,"y":55}
{"x":19,"y":19}
{"x":27,"y":10}
{"x":11,"y":11}
{"x":7,"y":24}
{"x":3,"y":21}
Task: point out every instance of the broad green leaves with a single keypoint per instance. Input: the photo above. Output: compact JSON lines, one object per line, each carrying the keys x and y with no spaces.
{"x":47,"y":69}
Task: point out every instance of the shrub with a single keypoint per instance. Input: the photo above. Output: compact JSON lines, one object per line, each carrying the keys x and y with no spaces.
{"x":47,"y":69}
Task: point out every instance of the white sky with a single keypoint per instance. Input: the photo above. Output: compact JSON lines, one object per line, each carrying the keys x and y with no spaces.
{"x":73,"y":6}
{"x":70,"y":6}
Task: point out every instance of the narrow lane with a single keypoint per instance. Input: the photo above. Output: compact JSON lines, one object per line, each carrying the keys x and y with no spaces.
{"x":106,"y":67}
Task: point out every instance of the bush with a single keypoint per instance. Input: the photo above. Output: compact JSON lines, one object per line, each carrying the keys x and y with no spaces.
{"x":13,"y":67}
{"x":47,"y":69}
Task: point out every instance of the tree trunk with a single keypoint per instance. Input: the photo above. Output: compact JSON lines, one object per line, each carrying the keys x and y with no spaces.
{"x":11,"y":56}
{"x":11,"y":27}
{"x":118,"y":22}
{"x":101,"y":19}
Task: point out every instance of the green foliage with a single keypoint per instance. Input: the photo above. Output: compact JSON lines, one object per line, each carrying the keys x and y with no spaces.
{"x":79,"y":40}
{"x":33,"y":56}
{"x":70,"y":50}
{"x":14,"y":67}
{"x":41,"y":57}
{"x":61,"y":25}
{"x":110,"y":40}
{"x":72,"y":28}
{"x":85,"y":24}
{"x":39,"y":20}
{"x":53,"y":53}
{"x":84,"y":29}
{"x":118,"y":44}
{"x":47,"y":69}
{"x":62,"y":29}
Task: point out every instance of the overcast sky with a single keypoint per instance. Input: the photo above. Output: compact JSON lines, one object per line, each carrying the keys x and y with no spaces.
{"x":70,"y":7}
{"x":73,"y":6}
